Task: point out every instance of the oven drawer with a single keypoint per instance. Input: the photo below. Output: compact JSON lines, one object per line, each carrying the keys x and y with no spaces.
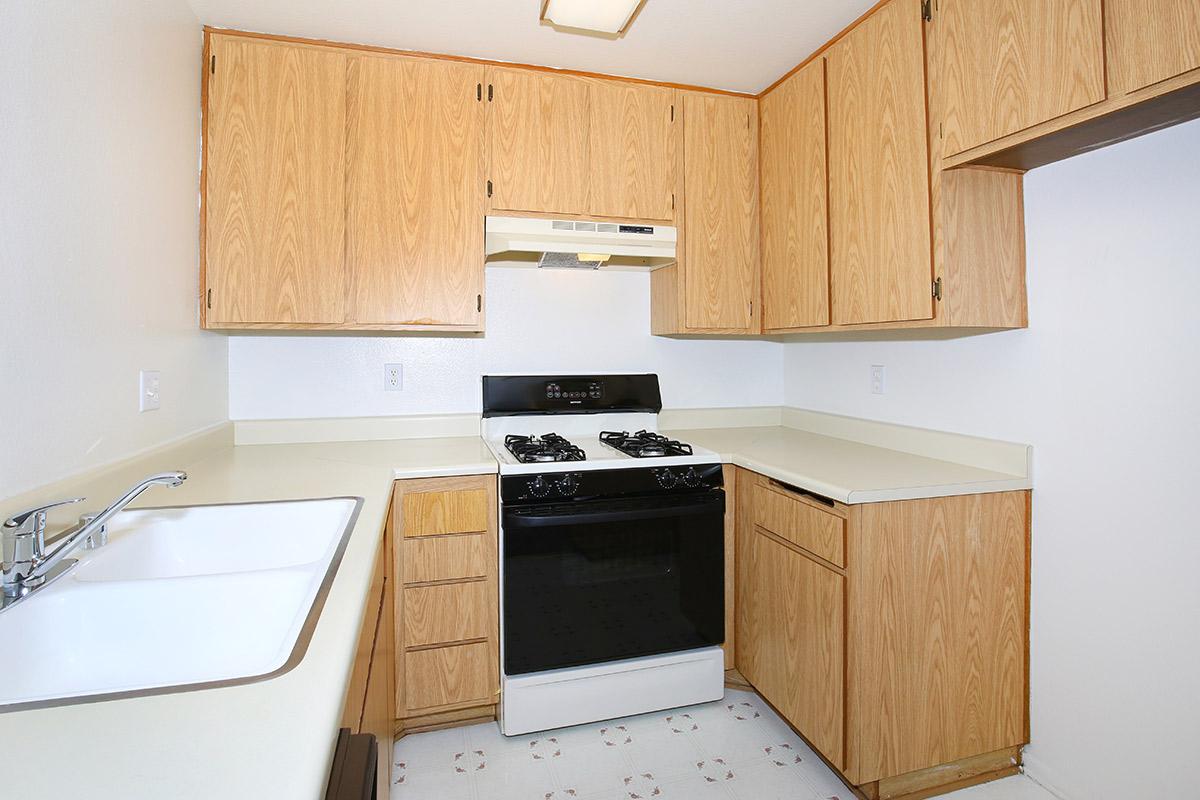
{"x":453,"y":612}
{"x":447,"y":676}
{"x":800,"y":521}
{"x":436,"y":513}
{"x":444,"y":558}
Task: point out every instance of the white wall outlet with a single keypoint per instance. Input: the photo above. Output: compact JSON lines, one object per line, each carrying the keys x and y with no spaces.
{"x":393,"y":377}
{"x":149,"y":397}
{"x":878,"y":379}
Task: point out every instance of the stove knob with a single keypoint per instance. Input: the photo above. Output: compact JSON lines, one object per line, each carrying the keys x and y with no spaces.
{"x":691,"y":477}
{"x":568,"y":485}
{"x":538,"y":487}
{"x":666,"y":478}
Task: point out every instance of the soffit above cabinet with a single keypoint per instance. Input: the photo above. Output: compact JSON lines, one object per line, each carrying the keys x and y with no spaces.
{"x":678,"y":41}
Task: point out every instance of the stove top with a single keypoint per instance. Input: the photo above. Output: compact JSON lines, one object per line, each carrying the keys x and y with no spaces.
{"x":547,"y":448}
{"x":644,"y":444}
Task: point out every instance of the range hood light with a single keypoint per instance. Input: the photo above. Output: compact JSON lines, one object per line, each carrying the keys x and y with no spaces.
{"x":605,"y":16}
{"x":597,"y":257}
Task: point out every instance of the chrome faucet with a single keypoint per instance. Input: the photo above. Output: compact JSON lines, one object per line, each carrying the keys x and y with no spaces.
{"x":26,"y":565}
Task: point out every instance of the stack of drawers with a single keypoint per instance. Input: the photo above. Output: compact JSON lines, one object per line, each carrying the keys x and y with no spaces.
{"x":447,"y":606}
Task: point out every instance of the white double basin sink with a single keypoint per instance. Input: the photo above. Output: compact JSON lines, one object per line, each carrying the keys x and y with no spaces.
{"x":179,"y":599}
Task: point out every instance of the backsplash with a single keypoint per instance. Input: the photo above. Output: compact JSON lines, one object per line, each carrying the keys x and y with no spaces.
{"x":538,"y":321}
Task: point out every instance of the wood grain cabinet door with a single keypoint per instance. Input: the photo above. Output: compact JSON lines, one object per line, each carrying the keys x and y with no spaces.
{"x":275,"y":183}
{"x":1149,"y":41}
{"x":632,"y":159}
{"x":880,"y":248}
{"x":1010,"y":64}
{"x":795,"y":242}
{"x":795,"y":647}
{"x":539,"y":141}
{"x":416,"y":196}
{"x":721,"y":248}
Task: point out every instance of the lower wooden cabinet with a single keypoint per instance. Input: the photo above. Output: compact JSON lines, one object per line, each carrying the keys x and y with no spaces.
{"x":368,"y":707}
{"x":911,"y":656}
{"x":447,"y":603}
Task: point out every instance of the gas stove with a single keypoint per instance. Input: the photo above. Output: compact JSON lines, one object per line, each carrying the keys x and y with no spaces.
{"x":536,"y":423}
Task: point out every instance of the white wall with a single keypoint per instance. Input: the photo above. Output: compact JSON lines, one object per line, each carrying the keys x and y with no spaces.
{"x":1104,"y":384}
{"x":99,"y":143}
{"x":551,"y":321}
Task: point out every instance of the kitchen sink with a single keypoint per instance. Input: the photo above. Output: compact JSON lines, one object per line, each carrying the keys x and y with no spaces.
{"x":179,"y":599}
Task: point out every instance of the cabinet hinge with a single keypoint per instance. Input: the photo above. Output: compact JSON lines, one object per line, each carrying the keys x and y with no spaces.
{"x":489,"y":188}
{"x":489,"y":92}
{"x":479,"y":302}
{"x":212,"y":65}
{"x":479,"y":92}
{"x":937,"y":289}
{"x":208,"y":298}
{"x":927,"y":10}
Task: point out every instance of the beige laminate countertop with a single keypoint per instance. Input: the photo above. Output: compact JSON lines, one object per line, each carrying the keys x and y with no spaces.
{"x":843,"y":470}
{"x":272,"y":739}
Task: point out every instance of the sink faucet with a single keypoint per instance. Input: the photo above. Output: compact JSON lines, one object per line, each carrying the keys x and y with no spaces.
{"x":26,"y":565}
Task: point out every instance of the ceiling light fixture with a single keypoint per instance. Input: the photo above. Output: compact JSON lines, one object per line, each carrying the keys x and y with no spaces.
{"x":612,"y":17}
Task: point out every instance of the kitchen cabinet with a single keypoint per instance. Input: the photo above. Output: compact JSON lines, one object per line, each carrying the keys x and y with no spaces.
{"x":414,"y":199}
{"x":539,"y":141}
{"x":1011,"y":64}
{"x":879,"y":206}
{"x":631,"y":164}
{"x":713,"y":287}
{"x":274,"y":184}
{"x":893,"y":635}
{"x":447,"y":606}
{"x":369,"y":697}
{"x":1148,"y":41}
{"x":795,"y":232}
{"x":791,"y":614}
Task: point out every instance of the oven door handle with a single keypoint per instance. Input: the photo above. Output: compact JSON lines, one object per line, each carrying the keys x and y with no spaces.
{"x":578,"y":516}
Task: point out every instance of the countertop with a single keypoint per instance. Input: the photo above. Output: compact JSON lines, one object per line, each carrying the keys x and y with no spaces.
{"x":850,"y":472}
{"x":274,"y":738}
{"x":271,"y":739}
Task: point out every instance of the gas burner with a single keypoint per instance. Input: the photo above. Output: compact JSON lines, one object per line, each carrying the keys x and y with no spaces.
{"x":644,"y":444}
{"x":546,"y":448}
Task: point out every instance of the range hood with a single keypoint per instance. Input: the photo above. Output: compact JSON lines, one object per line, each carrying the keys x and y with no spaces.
{"x":577,"y":244}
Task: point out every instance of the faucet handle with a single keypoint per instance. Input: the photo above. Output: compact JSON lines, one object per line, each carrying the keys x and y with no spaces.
{"x":33,"y":520}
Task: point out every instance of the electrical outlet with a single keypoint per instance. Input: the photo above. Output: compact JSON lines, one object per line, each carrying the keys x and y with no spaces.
{"x":149,"y":397}
{"x":393,"y":377}
{"x":878,"y":379}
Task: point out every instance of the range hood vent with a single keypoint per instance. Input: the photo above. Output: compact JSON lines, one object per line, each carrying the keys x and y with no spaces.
{"x":578,"y":244}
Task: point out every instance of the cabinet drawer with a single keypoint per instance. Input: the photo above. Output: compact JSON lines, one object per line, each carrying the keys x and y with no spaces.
{"x":443,"y":558}
{"x":450,"y":675}
{"x":819,"y":532}
{"x":450,"y":511}
{"x":451,"y":612}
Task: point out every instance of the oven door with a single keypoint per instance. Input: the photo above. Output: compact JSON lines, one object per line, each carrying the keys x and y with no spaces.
{"x":600,"y":580}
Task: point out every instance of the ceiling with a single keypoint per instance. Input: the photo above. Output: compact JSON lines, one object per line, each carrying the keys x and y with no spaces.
{"x":742,"y":46}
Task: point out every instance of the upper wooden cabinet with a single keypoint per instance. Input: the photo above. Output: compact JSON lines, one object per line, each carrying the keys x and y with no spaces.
{"x":539,"y":141}
{"x":274,"y":184}
{"x":879,"y":205}
{"x":795,"y":232}
{"x":1011,"y":64}
{"x":415,"y":205}
{"x":631,"y":168}
{"x":720,"y":240}
{"x":1150,"y":41}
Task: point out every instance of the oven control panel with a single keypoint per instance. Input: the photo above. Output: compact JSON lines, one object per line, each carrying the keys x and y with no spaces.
{"x":592,"y":484}
{"x":574,"y":389}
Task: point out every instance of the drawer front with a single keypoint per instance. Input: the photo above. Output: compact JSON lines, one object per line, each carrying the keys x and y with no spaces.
{"x":450,"y":511}
{"x":444,"y":558}
{"x":450,"y":675}
{"x":452,"y":612}
{"x":819,"y":532}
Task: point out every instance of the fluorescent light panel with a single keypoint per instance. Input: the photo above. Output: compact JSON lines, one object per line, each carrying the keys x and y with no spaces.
{"x":606,"y":16}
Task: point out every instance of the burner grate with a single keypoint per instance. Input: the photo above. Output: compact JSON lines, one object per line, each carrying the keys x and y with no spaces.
{"x":543,"y":449}
{"x":644,"y":444}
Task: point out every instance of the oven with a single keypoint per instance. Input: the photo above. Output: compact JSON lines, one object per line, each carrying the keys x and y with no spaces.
{"x":620,"y":564}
